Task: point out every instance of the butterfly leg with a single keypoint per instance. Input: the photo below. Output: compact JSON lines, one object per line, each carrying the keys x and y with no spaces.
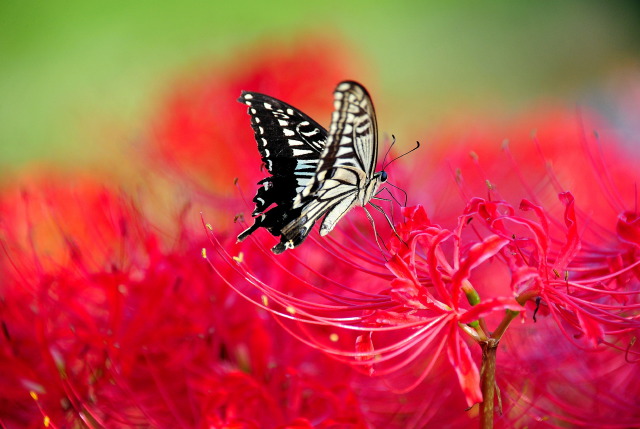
{"x":375,"y":232}
{"x":388,"y":220}
{"x":387,"y":200}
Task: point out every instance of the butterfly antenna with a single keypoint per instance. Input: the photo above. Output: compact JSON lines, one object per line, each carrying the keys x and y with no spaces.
{"x":384,"y":160}
{"x":400,"y":156}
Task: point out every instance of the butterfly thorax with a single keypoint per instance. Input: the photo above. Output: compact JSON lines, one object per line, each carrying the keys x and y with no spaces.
{"x":370,"y":189}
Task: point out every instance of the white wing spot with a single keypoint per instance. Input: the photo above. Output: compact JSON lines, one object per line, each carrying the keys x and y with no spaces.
{"x":261,"y":130}
{"x":264,"y":141}
{"x":266,"y":153}
{"x":300,"y":152}
{"x":348,"y":129}
{"x":290,"y":111}
{"x":257,"y":120}
{"x":248,"y":96}
{"x":282,"y":123}
{"x":287,"y":132}
{"x":343,"y":151}
{"x":267,"y":106}
{"x":254,"y":111}
{"x":294,"y":142}
{"x":304,"y":164}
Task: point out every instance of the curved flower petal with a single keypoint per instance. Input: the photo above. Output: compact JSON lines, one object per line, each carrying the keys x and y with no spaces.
{"x":466,"y":369}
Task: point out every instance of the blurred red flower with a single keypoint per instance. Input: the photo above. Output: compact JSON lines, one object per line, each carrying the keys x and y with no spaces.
{"x":202,"y":133}
{"x":110,"y":320}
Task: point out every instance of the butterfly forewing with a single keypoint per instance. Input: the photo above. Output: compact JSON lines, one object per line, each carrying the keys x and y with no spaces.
{"x":352,"y":142}
{"x":355,"y":124}
{"x":346,"y":166}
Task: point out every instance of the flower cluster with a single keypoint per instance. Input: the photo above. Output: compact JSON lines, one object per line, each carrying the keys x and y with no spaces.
{"x":111,"y":317}
{"x":567,"y":272}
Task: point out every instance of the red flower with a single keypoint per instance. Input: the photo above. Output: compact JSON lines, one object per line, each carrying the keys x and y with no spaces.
{"x":442,"y":288}
{"x":108,"y":319}
{"x":105,"y":323}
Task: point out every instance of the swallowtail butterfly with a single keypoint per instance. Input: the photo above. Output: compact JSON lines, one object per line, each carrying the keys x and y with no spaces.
{"x":314,"y":173}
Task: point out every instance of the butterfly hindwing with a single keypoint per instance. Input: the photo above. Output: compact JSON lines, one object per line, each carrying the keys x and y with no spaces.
{"x":289,"y":143}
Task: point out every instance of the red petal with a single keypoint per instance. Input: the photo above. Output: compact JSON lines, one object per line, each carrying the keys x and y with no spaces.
{"x":628,"y":228}
{"x":478,"y":253}
{"x":489,"y":305}
{"x":432,"y":264}
{"x":364,"y":344}
{"x":526,"y":205}
{"x":591,"y":327}
{"x":400,"y":268}
{"x":466,"y":369}
{"x":572,"y":246}
{"x":299,"y":423}
{"x":416,"y":216}
{"x":405,"y":292}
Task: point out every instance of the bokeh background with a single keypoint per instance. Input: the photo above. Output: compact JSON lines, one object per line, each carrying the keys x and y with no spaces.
{"x":100,"y":99}
{"x":80,"y":81}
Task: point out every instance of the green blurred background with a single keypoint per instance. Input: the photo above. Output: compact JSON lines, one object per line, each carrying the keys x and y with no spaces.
{"x":80,"y":79}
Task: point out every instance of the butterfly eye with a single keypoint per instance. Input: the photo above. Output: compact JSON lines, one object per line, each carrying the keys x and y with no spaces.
{"x":383,"y":176}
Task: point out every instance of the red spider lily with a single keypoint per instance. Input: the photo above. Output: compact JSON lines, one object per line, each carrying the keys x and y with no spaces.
{"x":407,"y":308}
{"x":441,"y":288}
{"x":110,"y":322}
{"x":104,"y":323}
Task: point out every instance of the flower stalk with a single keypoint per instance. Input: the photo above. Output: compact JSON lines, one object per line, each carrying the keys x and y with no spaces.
{"x":488,"y":382}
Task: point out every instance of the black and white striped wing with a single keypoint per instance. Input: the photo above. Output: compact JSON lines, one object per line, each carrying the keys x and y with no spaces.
{"x":346,"y":166}
{"x":290,"y":144}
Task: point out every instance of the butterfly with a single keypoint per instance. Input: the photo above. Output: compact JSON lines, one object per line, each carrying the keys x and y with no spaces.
{"x":315,"y":173}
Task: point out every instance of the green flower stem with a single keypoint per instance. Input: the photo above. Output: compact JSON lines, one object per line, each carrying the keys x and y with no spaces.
{"x":504,"y":324}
